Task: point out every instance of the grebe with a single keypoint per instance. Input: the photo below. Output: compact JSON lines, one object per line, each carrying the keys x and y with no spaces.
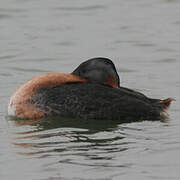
{"x":91,"y":91}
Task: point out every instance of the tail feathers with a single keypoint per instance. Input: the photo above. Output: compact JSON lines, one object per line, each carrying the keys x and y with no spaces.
{"x":165,"y":104}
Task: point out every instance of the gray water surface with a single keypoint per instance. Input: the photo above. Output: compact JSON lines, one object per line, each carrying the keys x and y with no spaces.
{"x":141,"y":37}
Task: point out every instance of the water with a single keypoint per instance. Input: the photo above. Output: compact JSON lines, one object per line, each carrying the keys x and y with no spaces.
{"x":142,"y":38}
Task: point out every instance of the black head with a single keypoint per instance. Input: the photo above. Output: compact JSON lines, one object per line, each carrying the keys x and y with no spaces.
{"x":98,"y":70}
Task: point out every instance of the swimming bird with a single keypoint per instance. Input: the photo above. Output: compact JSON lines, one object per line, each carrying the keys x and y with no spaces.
{"x":91,"y":91}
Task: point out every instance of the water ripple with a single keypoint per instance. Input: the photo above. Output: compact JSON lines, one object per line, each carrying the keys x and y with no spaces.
{"x":84,"y":8}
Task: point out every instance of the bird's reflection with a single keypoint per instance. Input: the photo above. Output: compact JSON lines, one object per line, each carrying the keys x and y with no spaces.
{"x":56,"y":122}
{"x":62,"y":135}
{"x":73,"y":141}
